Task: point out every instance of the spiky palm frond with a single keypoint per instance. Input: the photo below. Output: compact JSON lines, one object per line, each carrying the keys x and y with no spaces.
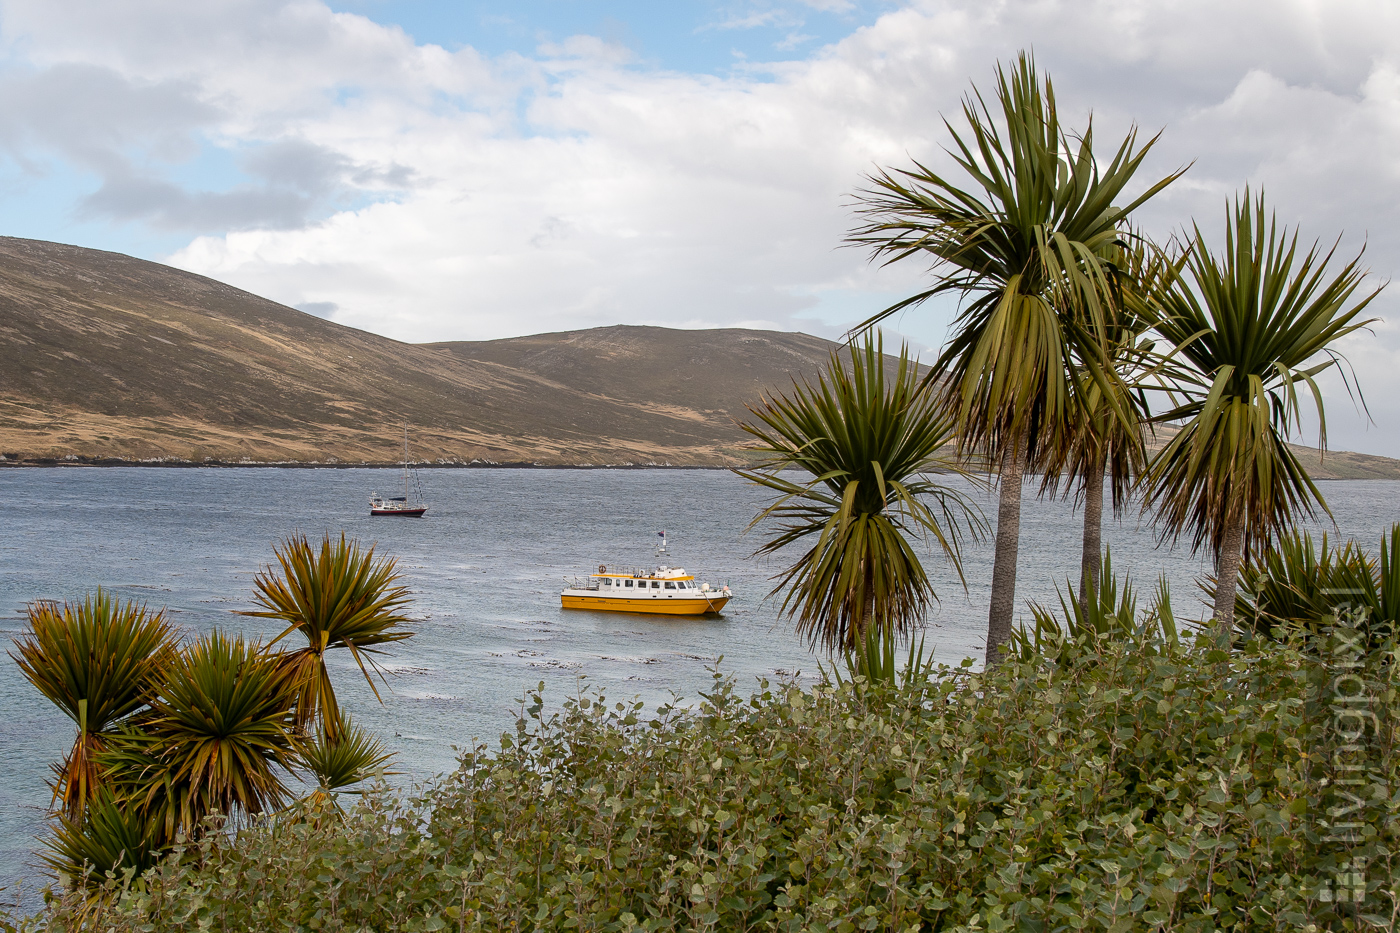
{"x":107,"y":837}
{"x":877,"y":661}
{"x":1103,"y":442}
{"x":1232,"y":464}
{"x":1387,"y":610}
{"x":220,"y":738}
{"x":1104,"y":434}
{"x":1030,"y":243}
{"x":98,"y":662}
{"x":139,"y":779}
{"x":1254,"y":329}
{"x":868,"y":443}
{"x":339,"y":596}
{"x":1108,"y":612}
{"x":1296,"y":583}
{"x":340,"y":758}
{"x":1255,"y":323}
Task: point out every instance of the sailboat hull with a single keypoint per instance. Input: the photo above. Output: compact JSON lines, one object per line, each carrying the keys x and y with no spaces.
{"x":407,"y":513}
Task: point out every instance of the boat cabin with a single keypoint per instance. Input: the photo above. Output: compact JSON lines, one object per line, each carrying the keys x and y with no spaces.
{"x":663,"y":581}
{"x":668,"y":590}
{"x":617,"y":581}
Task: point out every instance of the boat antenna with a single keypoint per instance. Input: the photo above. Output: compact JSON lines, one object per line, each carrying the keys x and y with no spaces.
{"x":661,"y":548}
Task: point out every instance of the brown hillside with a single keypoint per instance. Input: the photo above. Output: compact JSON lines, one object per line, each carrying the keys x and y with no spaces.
{"x":702,"y":375}
{"x":102,"y":355}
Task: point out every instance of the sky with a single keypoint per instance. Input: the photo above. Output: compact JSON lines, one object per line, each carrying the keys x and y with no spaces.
{"x":464,"y":170}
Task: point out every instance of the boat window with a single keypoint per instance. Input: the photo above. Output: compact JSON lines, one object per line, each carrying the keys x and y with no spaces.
{"x":670,"y":585}
{"x":626,"y":582}
{"x":607,"y":582}
{"x":655,"y":585}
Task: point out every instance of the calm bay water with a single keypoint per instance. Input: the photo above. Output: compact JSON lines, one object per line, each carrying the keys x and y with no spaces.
{"x":485,"y":566}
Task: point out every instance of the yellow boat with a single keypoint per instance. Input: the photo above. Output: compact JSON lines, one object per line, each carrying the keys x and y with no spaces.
{"x":664,"y":590}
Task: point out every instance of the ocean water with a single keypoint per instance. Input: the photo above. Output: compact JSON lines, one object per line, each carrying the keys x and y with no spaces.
{"x":485,"y":566}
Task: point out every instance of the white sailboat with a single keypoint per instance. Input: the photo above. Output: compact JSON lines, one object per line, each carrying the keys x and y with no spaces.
{"x":406,"y":504}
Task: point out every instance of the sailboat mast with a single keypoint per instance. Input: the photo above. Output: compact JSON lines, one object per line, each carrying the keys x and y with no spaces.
{"x":405,"y":462}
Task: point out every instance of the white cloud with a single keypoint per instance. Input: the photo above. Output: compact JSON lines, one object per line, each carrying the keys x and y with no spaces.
{"x":431,"y":194}
{"x":98,"y":118}
{"x":754,"y":19}
{"x":793,"y":40}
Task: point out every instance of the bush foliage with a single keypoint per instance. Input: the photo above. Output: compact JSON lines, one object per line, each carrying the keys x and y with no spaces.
{"x":1122,"y":791}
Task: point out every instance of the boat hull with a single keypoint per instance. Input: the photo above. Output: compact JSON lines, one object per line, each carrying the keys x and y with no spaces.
{"x":408,"y":513}
{"x":658,"y":606}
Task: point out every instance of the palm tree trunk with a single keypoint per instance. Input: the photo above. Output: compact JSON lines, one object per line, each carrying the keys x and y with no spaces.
{"x":1227,"y":573}
{"x":1092,"y":559}
{"x":1003,"y":603}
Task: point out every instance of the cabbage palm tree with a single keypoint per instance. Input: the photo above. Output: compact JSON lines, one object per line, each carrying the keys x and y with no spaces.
{"x":1254,"y":327}
{"x":99,"y":662}
{"x":1029,"y":247}
{"x":337,"y":596}
{"x":220,"y":737}
{"x":1105,"y":440}
{"x":866,"y":441}
{"x":107,"y":837}
{"x":339,"y":758}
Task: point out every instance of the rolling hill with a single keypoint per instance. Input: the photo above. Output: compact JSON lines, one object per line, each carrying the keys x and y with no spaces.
{"x":108,"y":358}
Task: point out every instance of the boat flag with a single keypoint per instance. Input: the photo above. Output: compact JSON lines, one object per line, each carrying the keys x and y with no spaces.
{"x":661,"y":534}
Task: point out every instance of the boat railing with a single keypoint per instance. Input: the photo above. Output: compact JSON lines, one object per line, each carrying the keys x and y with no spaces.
{"x":623,"y":570}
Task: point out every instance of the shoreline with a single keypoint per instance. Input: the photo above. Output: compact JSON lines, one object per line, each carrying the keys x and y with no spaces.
{"x":118,"y":462}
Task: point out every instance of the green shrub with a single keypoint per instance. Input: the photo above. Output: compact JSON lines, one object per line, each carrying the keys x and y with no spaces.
{"x":1182,"y":790}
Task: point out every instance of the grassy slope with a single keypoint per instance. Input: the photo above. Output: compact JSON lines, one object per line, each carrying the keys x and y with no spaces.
{"x":106,"y":355}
